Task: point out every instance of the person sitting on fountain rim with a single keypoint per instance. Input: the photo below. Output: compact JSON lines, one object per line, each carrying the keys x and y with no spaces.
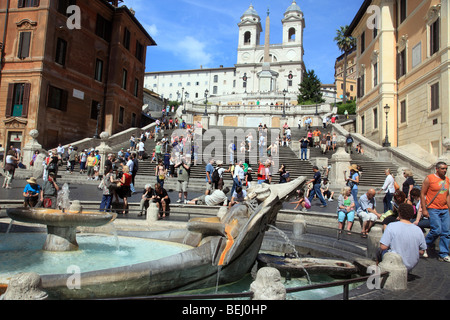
{"x":218,"y":197}
{"x":147,"y":195}
{"x":31,"y":193}
{"x":162,"y":200}
{"x":49,"y":192}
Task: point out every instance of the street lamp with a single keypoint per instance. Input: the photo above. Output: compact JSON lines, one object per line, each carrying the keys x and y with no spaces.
{"x":284,"y":103}
{"x":386,"y":143}
{"x":99,"y":107}
{"x":206,"y":103}
{"x":184,"y":105}
{"x":186,"y":95}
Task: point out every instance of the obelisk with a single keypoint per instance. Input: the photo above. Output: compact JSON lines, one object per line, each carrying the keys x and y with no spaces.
{"x":266,"y":79}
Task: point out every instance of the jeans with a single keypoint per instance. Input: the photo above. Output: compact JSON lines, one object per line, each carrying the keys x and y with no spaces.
{"x":439,"y":227}
{"x":316,"y":191}
{"x":236,"y":184}
{"x":304,"y":154}
{"x":105,"y":206}
{"x":387,"y":201}
{"x":355,"y":198}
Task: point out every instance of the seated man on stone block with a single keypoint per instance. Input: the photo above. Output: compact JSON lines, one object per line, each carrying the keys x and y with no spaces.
{"x":404,"y":238}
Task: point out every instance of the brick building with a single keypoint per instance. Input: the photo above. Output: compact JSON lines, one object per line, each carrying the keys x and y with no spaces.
{"x":64,"y":69}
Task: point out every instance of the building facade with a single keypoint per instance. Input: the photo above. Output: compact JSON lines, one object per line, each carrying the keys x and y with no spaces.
{"x":351,"y":75}
{"x":241,"y":83}
{"x":403,"y":62}
{"x":70,"y":68}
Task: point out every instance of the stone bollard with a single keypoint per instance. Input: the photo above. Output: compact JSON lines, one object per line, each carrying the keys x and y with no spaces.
{"x":152,"y":213}
{"x":25,"y":286}
{"x":299,"y":227}
{"x":268,"y":286}
{"x":373,"y":241}
{"x":398,"y":274}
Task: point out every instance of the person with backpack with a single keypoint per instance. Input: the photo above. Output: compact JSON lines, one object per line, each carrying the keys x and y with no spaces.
{"x":217,"y":177}
{"x":349,"y":141}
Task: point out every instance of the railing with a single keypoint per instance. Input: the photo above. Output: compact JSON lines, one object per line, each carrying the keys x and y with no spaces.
{"x":344,"y":283}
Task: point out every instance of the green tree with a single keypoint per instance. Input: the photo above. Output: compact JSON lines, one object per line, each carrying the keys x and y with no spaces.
{"x":310,"y":89}
{"x":345,"y":44}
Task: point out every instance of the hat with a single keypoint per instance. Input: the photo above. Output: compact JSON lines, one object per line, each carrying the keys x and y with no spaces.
{"x":219,"y":162}
{"x":249,"y":169}
{"x":32,"y":180}
{"x":354,"y":167}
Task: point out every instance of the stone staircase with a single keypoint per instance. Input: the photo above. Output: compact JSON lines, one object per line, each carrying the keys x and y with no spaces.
{"x":373,"y":171}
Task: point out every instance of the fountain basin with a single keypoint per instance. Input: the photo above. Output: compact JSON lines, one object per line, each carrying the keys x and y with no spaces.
{"x":61,"y":227}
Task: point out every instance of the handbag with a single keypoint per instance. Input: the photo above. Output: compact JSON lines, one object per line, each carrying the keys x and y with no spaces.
{"x":47,"y":203}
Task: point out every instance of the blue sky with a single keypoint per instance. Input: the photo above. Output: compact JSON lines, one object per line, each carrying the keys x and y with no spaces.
{"x":194,"y":33}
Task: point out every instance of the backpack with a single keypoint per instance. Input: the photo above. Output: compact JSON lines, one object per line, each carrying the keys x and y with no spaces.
{"x":349,"y":140}
{"x":215,"y":176}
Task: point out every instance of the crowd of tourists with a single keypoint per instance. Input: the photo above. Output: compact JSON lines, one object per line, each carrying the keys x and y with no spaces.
{"x":406,"y":208}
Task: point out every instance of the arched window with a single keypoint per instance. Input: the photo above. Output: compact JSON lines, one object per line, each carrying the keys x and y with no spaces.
{"x":247,"y":37}
{"x":291,"y":34}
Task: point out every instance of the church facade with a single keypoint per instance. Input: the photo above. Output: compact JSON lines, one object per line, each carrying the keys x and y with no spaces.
{"x":264,"y":74}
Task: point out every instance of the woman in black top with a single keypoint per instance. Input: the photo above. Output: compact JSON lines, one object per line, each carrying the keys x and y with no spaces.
{"x":409,"y":183}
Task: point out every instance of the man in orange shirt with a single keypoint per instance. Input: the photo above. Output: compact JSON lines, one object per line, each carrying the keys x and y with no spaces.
{"x":435,"y":200}
{"x":316,"y":137}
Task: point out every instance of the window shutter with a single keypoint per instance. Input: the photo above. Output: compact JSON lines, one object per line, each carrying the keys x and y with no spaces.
{"x":26,"y":100}
{"x":64,"y":100}
{"x":24,"y":45}
{"x":9,"y":100}
{"x":20,"y":3}
{"x":36,"y":3}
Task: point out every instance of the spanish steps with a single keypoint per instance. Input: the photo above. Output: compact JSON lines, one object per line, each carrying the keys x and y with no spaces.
{"x":373,"y":174}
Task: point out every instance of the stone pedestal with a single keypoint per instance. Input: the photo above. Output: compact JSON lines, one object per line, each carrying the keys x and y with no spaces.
{"x":299,"y":227}
{"x":152,"y":213}
{"x":29,"y":149}
{"x":205,"y":122}
{"x":340,"y":162}
{"x":103,"y":150}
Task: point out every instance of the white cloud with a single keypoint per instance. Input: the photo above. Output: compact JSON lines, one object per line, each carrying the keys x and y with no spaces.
{"x":193,"y":52}
{"x":151,"y":29}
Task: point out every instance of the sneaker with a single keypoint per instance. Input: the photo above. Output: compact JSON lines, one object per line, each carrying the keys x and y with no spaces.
{"x":322,"y":206}
{"x":425,"y":254}
{"x":446,"y":259}
{"x":179,"y":201}
{"x":330,"y":200}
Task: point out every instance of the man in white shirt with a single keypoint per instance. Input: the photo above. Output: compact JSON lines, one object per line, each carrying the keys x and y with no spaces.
{"x":238,"y":176}
{"x":141,"y":149}
{"x":218,"y":197}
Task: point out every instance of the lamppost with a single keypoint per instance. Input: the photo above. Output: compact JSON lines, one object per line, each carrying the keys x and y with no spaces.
{"x":186,"y":95}
{"x":206,"y":103}
{"x":99,"y":107}
{"x":284,"y":103}
{"x":386,"y":143}
{"x":184,"y":105}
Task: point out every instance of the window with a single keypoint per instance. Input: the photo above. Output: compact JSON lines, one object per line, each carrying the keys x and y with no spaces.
{"x":98,"y":70}
{"x":61,"y":50}
{"x":434,"y":97}
{"x":124,"y":79}
{"x":363,"y":42}
{"x":27,"y":3}
{"x":375,"y":118}
{"x":247,"y":38}
{"x":18,"y":99}
{"x":24,"y":45}
{"x":126,"y":38}
{"x":103,"y":28}
{"x":64,"y":4}
{"x":121,"y":115}
{"x":363,"y":125}
{"x":57,"y":98}
{"x":403,"y":111}
{"x":215,"y":90}
{"x":375,"y":74}
{"x":401,"y":63}
{"x":139,"y":51}
{"x":434,"y":37}
{"x":136,"y":87}
{"x":403,"y":12}
{"x":360,"y":86}
{"x":95,"y":109}
{"x":216,"y":79}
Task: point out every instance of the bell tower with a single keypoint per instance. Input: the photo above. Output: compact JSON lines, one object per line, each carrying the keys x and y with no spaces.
{"x":249,"y":30}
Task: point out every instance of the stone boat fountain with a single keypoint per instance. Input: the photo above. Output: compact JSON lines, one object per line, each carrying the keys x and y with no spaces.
{"x":217,"y":250}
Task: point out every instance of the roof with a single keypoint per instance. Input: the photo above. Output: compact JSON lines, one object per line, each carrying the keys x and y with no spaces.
{"x":362,"y":11}
{"x":293,"y":7}
{"x":250,"y":12}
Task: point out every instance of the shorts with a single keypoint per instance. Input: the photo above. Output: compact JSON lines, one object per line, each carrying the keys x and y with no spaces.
{"x":182,"y":186}
{"x":350,"y":216}
{"x":201,"y":201}
{"x":209,"y":186}
{"x":367,"y":216}
{"x":90,"y":170}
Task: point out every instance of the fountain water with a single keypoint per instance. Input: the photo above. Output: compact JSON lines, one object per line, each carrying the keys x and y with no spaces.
{"x":290,"y":244}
